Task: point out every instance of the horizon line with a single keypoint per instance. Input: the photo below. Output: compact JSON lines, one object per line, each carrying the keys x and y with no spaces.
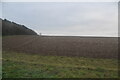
{"x":75,"y":35}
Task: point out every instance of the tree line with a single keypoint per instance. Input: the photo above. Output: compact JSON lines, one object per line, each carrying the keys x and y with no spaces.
{"x":12,"y":28}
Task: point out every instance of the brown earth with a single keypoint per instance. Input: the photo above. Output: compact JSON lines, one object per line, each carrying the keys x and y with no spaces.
{"x":96,"y":47}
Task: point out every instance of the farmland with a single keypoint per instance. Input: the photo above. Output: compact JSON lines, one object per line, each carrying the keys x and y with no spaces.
{"x":59,"y":57}
{"x":94,"y":47}
{"x":22,"y":65}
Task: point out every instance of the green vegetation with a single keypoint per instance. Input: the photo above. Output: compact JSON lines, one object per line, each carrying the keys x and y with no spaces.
{"x":23,"y":65}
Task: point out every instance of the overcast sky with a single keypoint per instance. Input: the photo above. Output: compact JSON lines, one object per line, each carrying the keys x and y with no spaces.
{"x":62,"y":18}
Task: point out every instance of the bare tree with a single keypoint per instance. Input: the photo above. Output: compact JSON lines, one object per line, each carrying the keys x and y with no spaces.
{"x":40,"y":34}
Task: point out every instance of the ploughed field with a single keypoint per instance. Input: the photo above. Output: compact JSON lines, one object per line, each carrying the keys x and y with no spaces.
{"x":94,"y":47}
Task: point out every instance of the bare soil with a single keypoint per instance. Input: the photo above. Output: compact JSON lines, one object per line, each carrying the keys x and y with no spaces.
{"x":95,"y":47}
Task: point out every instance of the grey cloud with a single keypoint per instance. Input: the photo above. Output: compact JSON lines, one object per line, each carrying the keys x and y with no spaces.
{"x":65,"y":18}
